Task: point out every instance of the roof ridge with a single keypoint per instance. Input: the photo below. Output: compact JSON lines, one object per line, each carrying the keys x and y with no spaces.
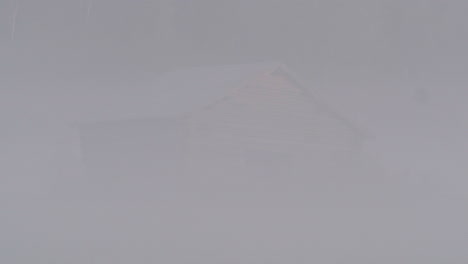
{"x":311,"y":94}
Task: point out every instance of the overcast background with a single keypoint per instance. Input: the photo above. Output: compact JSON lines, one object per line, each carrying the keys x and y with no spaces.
{"x":398,"y":68}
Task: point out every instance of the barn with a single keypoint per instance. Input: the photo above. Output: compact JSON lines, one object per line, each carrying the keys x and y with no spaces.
{"x":224,"y":130}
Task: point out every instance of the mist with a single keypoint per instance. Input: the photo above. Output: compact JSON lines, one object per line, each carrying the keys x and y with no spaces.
{"x":181,"y":131}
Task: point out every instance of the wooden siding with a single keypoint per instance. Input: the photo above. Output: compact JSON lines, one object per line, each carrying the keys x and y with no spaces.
{"x":134,"y":156}
{"x":270,"y":112}
{"x":270,"y":115}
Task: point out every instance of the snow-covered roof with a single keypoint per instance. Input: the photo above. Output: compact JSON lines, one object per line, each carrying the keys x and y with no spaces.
{"x":171,"y":94}
{"x":168,"y":95}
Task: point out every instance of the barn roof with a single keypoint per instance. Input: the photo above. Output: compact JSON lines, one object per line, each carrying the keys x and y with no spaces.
{"x":173,"y":94}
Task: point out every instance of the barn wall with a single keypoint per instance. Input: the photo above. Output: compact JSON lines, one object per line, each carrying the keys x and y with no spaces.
{"x":268,"y":136}
{"x":133,"y":158}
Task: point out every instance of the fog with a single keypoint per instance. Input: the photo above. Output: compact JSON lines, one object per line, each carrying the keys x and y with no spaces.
{"x":208,"y":131}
